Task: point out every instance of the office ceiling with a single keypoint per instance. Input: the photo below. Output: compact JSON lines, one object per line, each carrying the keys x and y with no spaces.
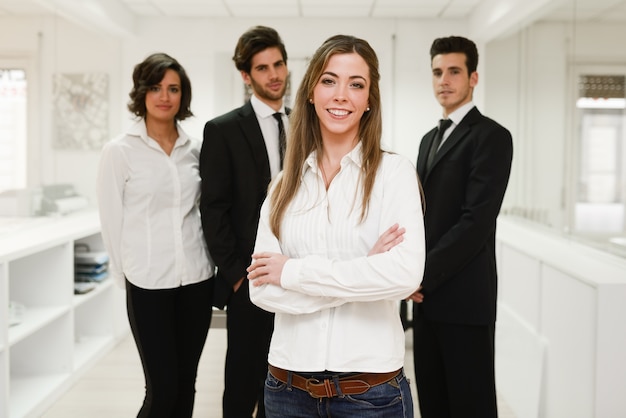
{"x":591,"y":10}
{"x":259,"y":8}
{"x":305,"y":8}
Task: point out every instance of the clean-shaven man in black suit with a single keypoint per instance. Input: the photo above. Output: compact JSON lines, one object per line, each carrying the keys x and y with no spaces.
{"x":240,"y":155}
{"x":463,"y":187}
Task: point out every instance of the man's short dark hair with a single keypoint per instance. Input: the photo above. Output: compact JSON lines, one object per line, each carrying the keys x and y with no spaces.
{"x":253,"y":41}
{"x":459,"y":44}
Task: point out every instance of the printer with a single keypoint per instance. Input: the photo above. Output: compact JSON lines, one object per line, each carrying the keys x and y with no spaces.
{"x":61,"y":199}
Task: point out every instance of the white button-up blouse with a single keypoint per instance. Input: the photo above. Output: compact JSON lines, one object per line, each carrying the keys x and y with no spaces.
{"x":338,"y":309}
{"x":148,"y":203}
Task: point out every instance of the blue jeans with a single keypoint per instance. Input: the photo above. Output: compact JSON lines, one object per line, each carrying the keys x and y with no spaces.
{"x":392,"y":399}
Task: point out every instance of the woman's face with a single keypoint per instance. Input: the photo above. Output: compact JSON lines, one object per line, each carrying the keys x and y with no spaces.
{"x":341,"y":96}
{"x":163,"y":99}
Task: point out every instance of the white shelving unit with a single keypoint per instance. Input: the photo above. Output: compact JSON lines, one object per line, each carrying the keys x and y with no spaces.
{"x":60,"y":334}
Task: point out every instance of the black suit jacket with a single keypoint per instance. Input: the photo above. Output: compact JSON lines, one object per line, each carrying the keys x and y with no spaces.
{"x":463,"y":194}
{"x":235,"y":173}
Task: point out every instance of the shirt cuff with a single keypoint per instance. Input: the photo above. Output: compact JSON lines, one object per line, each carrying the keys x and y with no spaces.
{"x":290,"y":277}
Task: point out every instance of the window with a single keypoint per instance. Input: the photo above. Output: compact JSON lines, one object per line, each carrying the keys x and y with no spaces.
{"x":601,"y":176}
{"x":13,"y":93}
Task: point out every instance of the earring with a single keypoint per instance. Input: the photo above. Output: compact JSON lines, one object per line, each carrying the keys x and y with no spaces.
{"x":367,"y":110}
{"x":311,"y":101}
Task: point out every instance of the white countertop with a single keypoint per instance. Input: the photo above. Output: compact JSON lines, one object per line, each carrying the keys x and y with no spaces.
{"x":568,"y":255}
{"x":21,"y":236}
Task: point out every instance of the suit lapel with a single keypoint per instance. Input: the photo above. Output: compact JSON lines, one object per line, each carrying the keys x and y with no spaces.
{"x":252,"y":132}
{"x":457,"y":135}
{"x":423,"y":152}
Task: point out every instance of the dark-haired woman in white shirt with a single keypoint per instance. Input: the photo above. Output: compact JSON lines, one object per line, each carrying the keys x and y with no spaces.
{"x":148,"y":191}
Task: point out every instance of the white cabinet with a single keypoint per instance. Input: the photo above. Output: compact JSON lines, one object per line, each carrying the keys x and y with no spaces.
{"x":60,"y":334}
{"x":560,"y":334}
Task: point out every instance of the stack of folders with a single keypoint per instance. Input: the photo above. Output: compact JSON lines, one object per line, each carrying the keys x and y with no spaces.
{"x":90,"y":268}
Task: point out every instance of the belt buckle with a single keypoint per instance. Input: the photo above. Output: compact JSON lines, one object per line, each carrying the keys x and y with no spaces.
{"x":327,"y":386}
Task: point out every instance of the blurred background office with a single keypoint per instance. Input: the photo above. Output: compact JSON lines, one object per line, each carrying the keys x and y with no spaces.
{"x":552,"y":71}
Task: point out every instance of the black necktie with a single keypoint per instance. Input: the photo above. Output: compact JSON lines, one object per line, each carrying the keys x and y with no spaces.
{"x":443,"y":125}
{"x":282,"y":140}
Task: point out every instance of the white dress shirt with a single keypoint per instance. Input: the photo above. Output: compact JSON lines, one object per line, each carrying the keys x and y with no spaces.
{"x":338,"y":309}
{"x":269,"y":129}
{"x":148,"y":203}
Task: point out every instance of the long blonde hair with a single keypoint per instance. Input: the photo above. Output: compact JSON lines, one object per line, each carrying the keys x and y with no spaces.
{"x":304,"y":128}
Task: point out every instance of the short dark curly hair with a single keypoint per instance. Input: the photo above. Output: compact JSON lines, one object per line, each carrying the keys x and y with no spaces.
{"x":150,"y":72}
{"x":253,"y":41}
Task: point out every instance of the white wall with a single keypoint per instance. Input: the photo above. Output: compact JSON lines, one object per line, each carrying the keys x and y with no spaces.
{"x":527,"y":92}
{"x":531,"y":90}
{"x":409,"y":109}
{"x":54,"y":46}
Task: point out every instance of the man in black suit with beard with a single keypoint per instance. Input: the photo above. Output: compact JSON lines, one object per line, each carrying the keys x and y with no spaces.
{"x":464,"y":173}
{"x":240,"y":155}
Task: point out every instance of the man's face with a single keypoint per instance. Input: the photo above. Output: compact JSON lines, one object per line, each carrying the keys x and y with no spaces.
{"x":268,"y":76}
{"x":452,"y":85}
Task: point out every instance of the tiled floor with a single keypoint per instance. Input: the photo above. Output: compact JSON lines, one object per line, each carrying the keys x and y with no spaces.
{"x":114,"y":387}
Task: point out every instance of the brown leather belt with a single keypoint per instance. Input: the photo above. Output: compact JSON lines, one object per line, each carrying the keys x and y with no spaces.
{"x":350,"y":385}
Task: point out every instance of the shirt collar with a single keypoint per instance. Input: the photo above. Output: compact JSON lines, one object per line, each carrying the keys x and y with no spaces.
{"x":457,"y":116}
{"x":139,"y":129}
{"x":262,"y":110}
{"x":355,"y":156}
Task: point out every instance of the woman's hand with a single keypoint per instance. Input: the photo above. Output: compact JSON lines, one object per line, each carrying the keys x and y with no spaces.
{"x":389,"y":239}
{"x":266,"y":268}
